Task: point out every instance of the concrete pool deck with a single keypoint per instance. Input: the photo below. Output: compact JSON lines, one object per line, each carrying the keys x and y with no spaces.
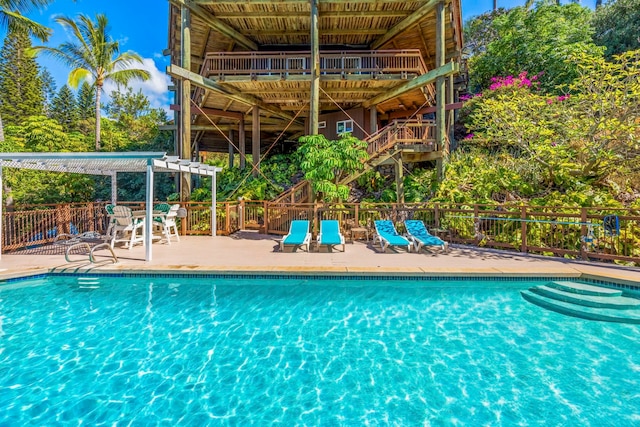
{"x":253,"y":252}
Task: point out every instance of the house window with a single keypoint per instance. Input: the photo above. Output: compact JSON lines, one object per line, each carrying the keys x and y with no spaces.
{"x":322,"y":124}
{"x":344,"y":126}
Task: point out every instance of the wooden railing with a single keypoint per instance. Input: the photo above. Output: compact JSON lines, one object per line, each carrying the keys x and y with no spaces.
{"x":402,"y":132}
{"x":283,"y":64}
{"x":299,"y":193}
{"x":561,"y":231}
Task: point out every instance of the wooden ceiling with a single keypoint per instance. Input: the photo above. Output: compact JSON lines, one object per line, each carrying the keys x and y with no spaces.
{"x":284,"y":25}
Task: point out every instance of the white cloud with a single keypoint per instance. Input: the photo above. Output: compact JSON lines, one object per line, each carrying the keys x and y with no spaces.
{"x":155,"y":89}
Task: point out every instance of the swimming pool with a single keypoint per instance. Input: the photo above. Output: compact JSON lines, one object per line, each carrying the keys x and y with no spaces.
{"x":297,"y":351}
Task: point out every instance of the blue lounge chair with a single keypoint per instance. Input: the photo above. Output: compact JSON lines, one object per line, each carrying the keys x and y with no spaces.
{"x":421,"y":237}
{"x":388,"y":236}
{"x":298,"y":235}
{"x":330,"y":233}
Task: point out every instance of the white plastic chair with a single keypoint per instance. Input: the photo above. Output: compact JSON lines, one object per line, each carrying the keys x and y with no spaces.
{"x":127,"y":228}
{"x":169,"y":225}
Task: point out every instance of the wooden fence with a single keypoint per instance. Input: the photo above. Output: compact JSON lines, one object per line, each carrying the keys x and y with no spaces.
{"x":597,"y":233}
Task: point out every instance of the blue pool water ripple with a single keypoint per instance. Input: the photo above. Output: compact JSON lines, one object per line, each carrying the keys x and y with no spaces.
{"x":237,"y":352}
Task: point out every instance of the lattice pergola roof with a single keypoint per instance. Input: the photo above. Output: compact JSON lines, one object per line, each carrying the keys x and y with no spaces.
{"x":104,"y":163}
{"x":110,"y":163}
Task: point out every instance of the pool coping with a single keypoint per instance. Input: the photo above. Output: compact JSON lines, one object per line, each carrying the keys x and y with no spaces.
{"x":295,"y":272}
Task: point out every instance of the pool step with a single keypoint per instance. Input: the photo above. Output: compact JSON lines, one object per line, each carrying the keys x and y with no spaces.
{"x":585,"y":301}
{"x":618,"y":302}
{"x":584,"y":289}
{"x":88,"y":283}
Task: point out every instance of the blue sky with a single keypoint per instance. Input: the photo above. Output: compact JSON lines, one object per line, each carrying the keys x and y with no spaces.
{"x":141,"y":26}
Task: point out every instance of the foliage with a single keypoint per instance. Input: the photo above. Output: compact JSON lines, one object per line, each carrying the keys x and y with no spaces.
{"x":21,"y":92}
{"x":479,"y":32}
{"x":86,"y":95}
{"x":577,"y":147}
{"x":12,"y":15}
{"x":64,"y":109}
{"x":48,"y":88}
{"x":324,"y":163}
{"x":538,"y":40}
{"x":95,"y":55}
{"x":616,"y":26}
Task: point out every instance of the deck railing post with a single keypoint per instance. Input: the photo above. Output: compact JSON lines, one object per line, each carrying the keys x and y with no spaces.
{"x":476,"y":213}
{"x":227,"y":219}
{"x":265,"y":217}
{"x":523,"y":228}
{"x":436,"y":214}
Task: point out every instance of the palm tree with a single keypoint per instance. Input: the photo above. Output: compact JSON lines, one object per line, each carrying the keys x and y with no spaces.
{"x":95,"y":56}
{"x":11,"y":16}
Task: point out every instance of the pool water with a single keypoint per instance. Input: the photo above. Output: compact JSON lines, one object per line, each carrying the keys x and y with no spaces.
{"x":215,"y":351}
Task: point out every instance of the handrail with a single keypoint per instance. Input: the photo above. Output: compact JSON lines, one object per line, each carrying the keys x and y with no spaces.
{"x":331,"y":62}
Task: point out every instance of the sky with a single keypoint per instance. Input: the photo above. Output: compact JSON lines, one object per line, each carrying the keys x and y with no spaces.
{"x":142,"y":26}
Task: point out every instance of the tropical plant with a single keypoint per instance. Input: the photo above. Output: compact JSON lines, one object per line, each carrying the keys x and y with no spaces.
{"x":326,"y":162}
{"x":95,"y":55}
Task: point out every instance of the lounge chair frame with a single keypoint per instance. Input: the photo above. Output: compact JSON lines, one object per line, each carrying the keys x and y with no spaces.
{"x":334,"y":228}
{"x":294,"y":231}
{"x":389,"y":237}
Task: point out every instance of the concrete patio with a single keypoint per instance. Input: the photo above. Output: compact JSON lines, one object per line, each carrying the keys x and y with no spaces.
{"x":252,"y":252}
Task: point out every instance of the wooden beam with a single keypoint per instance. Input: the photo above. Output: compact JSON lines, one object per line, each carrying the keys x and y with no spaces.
{"x":418,"y":82}
{"x":426,"y":110}
{"x":330,"y":32}
{"x":314,"y":99}
{"x":294,"y":2}
{"x":231,"y":93}
{"x":217,"y":24}
{"x":406,"y":23}
{"x":230,"y":126}
{"x":185,"y":103}
{"x":255,"y":140}
{"x":305,"y":13}
{"x":441,"y":142}
{"x":219,"y":113}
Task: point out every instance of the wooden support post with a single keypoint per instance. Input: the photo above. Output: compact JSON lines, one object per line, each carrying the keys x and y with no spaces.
{"x":399,"y":178}
{"x":255,"y":140}
{"x":314,"y":104}
{"x":185,"y":103}
{"x":373,"y":119}
{"x":242,"y":144}
{"x":231,"y":150}
{"x":450,"y":113}
{"x":440,"y":90}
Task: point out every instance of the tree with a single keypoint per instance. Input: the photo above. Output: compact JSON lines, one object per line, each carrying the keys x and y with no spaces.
{"x":64,"y":109}
{"x":48,"y":88}
{"x":616,"y":26}
{"x":538,"y":41}
{"x":11,"y":17}
{"x":325,"y":163}
{"x":85,"y":101}
{"x":95,"y":55}
{"x":21,"y":92}
{"x":479,"y":32}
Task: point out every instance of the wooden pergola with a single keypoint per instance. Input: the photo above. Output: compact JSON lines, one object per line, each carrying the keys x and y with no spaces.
{"x":247,"y":72}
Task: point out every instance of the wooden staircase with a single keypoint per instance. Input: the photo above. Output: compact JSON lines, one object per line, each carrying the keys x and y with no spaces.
{"x":414,"y":140}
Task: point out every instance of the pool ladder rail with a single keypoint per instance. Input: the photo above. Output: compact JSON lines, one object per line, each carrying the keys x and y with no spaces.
{"x":89,"y":250}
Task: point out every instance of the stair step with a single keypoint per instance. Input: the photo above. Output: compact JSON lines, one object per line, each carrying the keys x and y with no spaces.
{"x":585,"y":289}
{"x":617,"y":302}
{"x":591,"y":313}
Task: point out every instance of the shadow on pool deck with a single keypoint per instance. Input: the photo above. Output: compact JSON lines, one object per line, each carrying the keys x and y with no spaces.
{"x":251,"y":251}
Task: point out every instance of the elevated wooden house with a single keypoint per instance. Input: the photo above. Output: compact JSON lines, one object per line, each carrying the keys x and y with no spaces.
{"x":253,"y":74}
